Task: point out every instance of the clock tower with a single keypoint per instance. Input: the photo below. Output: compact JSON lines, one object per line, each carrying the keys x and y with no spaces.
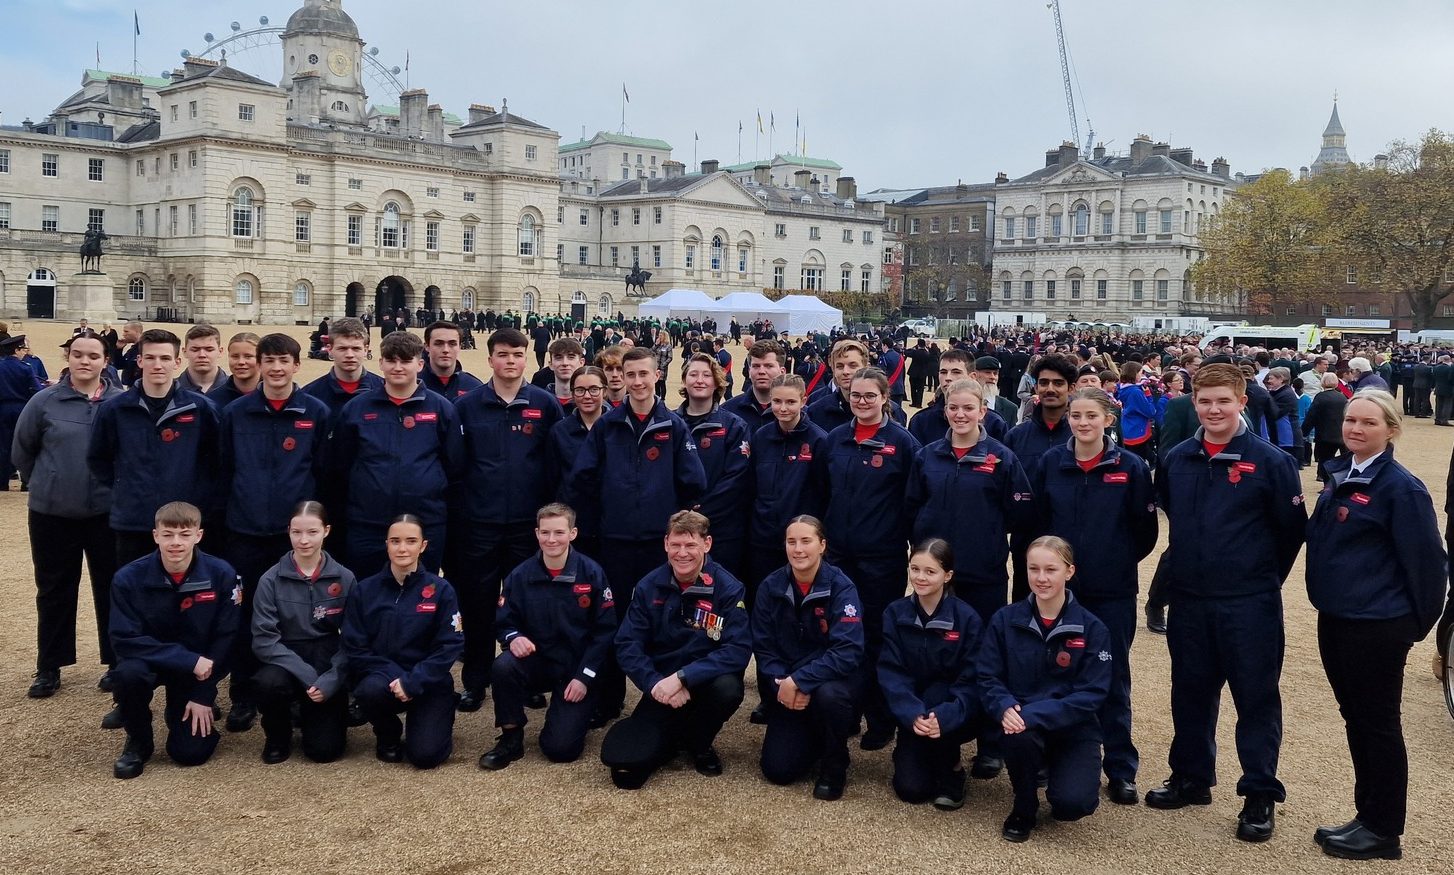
{"x":322,"y":40}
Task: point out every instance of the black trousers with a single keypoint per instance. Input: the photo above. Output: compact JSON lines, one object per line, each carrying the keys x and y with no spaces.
{"x":880,"y":581}
{"x":922,"y":765}
{"x":795,"y":740}
{"x":652,"y":735}
{"x":916,"y":389}
{"x":1443,"y":407}
{"x":57,"y":545}
{"x":324,"y":725}
{"x":131,"y":546}
{"x":135,"y":682}
{"x":625,"y":563}
{"x":1122,"y":760}
{"x":1072,"y":757}
{"x":430,"y":737}
{"x":1364,"y":661}
{"x":479,"y":558}
{"x":250,"y":556}
{"x":1322,"y":452}
{"x":1156,"y":595}
{"x":563,"y":736}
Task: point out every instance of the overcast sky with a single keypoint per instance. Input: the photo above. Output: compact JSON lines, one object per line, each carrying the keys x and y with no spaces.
{"x":903,"y":94}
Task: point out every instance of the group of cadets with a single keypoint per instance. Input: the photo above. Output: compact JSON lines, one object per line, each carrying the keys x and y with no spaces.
{"x":785,"y":515}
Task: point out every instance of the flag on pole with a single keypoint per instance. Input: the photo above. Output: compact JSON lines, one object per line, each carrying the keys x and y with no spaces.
{"x":739,"y":126}
{"x":759,"y":122}
{"x":406,"y":59}
{"x":136,"y":19}
{"x":625,"y":93}
{"x":695,"y":138}
{"x":771,"y":121}
{"x":98,"y":56}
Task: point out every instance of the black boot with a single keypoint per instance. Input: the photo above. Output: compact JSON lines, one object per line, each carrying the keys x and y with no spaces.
{"x":133,"y":758}
{"x":277,"y":749}
{"x":241,"y":716}
{"x":509,"y":747}
{"x":1156,"y":619}
{"x":46,"y":682}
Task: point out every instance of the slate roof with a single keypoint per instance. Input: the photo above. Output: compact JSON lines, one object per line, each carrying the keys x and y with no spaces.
{"x":1155,"y":165}
{"x":616,"y":140}
{"x":503,"y":118}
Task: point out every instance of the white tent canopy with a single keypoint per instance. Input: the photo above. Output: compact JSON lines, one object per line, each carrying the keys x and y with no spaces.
{"x":746,"y":307}
{"x":681,"y":303}
{"x":807,"y":313}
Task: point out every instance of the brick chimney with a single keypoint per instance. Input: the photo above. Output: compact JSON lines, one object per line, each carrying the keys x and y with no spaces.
{"x":1221,"y":168}
{"x":124,"y":92}
{"x":1140,"y":148}
{"x":1001,"y":178}
{"x":1052,"y":157}
{"x":1100,"y":151}
{"x":1067,"y":154}
{"x":847,"y":188}
{"x":413,"y":107}
{"x":800,"y":178}
{"x":711,"y":165}
{"x":1162,"y":149}
{"x":671,"y":169}
{"x":434,"y":123}
{"x":198,"y":66}
{"x":1182,"y":156}
{"x":479,"y":112}
{"x":762,"y":174}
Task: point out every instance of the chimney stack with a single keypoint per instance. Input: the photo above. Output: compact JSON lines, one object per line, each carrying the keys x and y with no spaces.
{"x":479,"y":112}
{"x":1067,"y":154}
{"x":124,"y":92}
{"x":1199,"y":164}
{"x":762,"y":174}
{"x":1052,"y":157}
{"x":413,"y":106}
{"x":1001,"y":178}
{"x":710,"y":166}
{"x":307,"y":97}
{"x":1221,"y":168}
{"x":1100,"y":151}
{"x":1140,"y":148}
{"x":435,"y":123}
{"x":1182,"y":156}
{"x":800,"y":178}
{"x":672,"y":169}
{"x":1162,"y":149}
{"x":847,"y":188}
{"x":1380,"y":161}
{"x":1302,"y":173}
{"x":198,"y":66}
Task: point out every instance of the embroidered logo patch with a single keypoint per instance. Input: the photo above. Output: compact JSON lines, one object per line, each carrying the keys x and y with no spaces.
{"x":531,"y":413}
{"x":1117,"y":477}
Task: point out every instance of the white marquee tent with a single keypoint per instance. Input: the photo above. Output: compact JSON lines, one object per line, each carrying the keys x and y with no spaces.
{"x":746,"y":307}
{"x":807,"y":313}
{"x":681,"y":303}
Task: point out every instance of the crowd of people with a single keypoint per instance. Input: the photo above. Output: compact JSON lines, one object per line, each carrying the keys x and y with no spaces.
{"x":967,"y":575}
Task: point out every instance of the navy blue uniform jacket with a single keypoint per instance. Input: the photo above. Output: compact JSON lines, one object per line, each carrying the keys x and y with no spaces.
{"x":1059,"y":677}
{"x":506,"y":454}
{"x":410,"y":632}
{"x":566,"y":440}
{"x":571,"y":618}
{"x":867,"y":514}
{"x":169,"y":625}
{"x":929,"y":665}
{"x":789,"y":477}
{"x":830,"y":410}
{"x":1374,"y":551}
{"x":744,"y":406}
{"x":152,"y":462}
{"x":271,"y":460}
{"x":1237,"y":519}
{"x":725,"y":450}
{"x":930,"y":424}
{"x":655,"y":471}
{"x":814,"y":638}
{"x":1032,"y":439}
{"x":1107,"y":514}
{"x":396,"y":458}
{"x":974,"y":503}
{"x":327,"y":389}
{"x":666,"y":628}
{"x":457,"y":386}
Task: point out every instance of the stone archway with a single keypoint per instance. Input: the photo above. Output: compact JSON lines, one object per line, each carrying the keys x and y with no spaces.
{"x":432,"y":300}
{"x":353,"y":299}
{"x":392,"y":295}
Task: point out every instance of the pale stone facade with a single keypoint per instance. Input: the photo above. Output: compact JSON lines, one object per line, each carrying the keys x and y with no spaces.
{"x":611,"y":158}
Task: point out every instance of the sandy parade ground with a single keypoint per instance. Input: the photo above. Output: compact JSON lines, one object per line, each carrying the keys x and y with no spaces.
{"x":62,"y":811}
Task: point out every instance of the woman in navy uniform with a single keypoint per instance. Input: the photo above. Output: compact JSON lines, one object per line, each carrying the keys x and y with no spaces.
{"x":401,"y":636}
{"x":788,"y":477}
{"x":1044,"y":672}
{"x":807,"y":635}
{"x":866,"y":520}
{"x":587,"y":390}
{"x":297,"y":616}
{"x":1099,"y":498}
{"x":928,"y":674}
{"x":722,"y":441}
{"x":1376,"y":572}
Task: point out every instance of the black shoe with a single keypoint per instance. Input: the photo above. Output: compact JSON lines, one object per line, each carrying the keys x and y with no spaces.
{"x":106,"y":683}
{"x":1122,"y":792}
{"x":629,"y":779}
{"x":1257,"y":820}
{"x":601,"y":718}
{"x":133,"y":759}
{"x":1362,"y":843}
{"x":984,"y":768}
{"x":536,"y":702}
{"x":470,"y":702}
{"x":876,"y":738}
{"x":509,"y":747}
{"x":758,"y":717}
{"x":356,"y":716}
{"x":1018,"y":827}
{"x":389,"y":751}
{"x":1321,"y":834}
{"x":1177,"y":793}
{"x":275,"y":752}
{"x":830,"y":785}
{"x":112,"y":720}
{"x":46,"y":682}
{"x":241,"y":717}
{"x":707,"y":762}
{"x":951,"y":794}
{"x":1156,"y":619}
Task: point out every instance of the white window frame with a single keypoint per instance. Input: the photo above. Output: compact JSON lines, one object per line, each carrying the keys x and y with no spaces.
{"x":431,"y":236}
{"x":242,"y":292}
{"x":467,"y":240}
{"x":136,"y":289}
{"x":302,"y":294}
{"x":302,"y":227}
{"x":355,"y":230}
{"x":50,"y":164}
{"x":246,"y":112}
{"x":525,"y":239}
{"x":244,"y":214}
{"x":96,"y":170}
{"x":50,"y":217}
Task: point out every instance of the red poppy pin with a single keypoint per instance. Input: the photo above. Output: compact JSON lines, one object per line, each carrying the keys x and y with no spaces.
{"x":652,"y":454}
{"x":427,"y":592}
{"x":584,"y":601}
{"x":335,"y":589}
{"x":706,"y":443}
{"x":1234,"y":476}
{"x":168,"y":435}
{"x":289,"y":444}
{"x":1342,"y":514}
{"x":408,"y":422}
{"x":877,"y":461}
{"x":1062,"y":659}
{"x":186,"y":603}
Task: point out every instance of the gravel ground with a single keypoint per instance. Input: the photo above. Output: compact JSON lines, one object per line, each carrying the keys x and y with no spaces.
{"x":61,"y":811}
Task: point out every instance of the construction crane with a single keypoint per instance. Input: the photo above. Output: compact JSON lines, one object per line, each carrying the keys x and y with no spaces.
{"x":1054,"y":7}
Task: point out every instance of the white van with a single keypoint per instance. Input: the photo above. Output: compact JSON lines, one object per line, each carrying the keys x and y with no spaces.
{"x":928,"y":326}
{"x":1303,"y":338}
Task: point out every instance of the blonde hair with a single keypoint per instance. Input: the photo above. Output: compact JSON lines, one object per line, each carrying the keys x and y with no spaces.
{"x":1055,"y":544}
{"x":1386,"y":405}
{"x":973,"y":387}
{"x":846,"y":346}
{"x":1099,"y":396}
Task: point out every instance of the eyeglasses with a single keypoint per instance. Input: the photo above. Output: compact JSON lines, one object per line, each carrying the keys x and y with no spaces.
{"x":583,"y":391}
{"x":864,"y":397}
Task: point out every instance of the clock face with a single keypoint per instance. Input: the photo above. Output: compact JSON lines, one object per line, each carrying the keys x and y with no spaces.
{"x":338,"y":63}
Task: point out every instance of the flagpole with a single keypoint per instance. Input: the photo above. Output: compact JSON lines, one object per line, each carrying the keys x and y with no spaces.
{"x":135,"y":32}
{"x":623,"y":109}
{"x":739,"y":141}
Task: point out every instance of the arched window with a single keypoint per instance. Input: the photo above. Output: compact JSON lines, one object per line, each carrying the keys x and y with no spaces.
{"x":41,"y":274}
{"x":391,"y":226}
{"x":717,"y":252}
{"x":578,"y":297}
{"x":136,"y":289}
{"x":243,"y":292}
{"x":1082,"y":220}
{"x":527,"y":302}
{"x":467,"y":299}
{"x":244,"y":214}
{"x":527,"y":236}
{"x":302,"y":294}
{"x":603,"y":305}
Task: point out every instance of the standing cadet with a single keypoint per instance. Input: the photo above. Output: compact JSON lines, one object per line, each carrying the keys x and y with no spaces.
{"x":930,"y":424}
{"x":505,"y":427}
{"x":1043,"y":428}
{"x":556,"y":627}
{"x":401,"y":637}
{"x":445,"y":376}
{"x":297,"y":618}
{"x":348,"y":347}
{"x":1235,"y":506}
{"x":566,"y":357}
{"x":68,"y":508}
{"x":867,"y":521}
{"x":245,"y":377}
{"x":766,"y":360}
{"x":892,"y":362}
{"x":1044,"y":670}
{"x":723,"y":447}
{"x":685,"y":642}
{"x":807,"y":635}
{"x":1101,"y":501}
{"x":1376,"y":572}
{"x":830,"y":406}
{"x":271,"y":452}
{"x":18,"y":384}
{"x":789,"y":478}
{"x":928,"y":674}
{"x":587,"y":400}
{"x":173,"y":617}
{"x":637,"y":467}
{"x":395,"y":450}
{"x":202,"y":346}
